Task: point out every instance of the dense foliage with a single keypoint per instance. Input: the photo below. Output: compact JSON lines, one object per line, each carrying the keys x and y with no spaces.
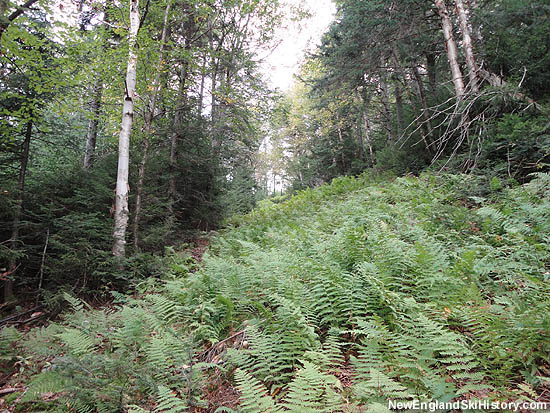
{"x":380,"y":92}
{"x":365,"y":290}
{"x":199,"y":104}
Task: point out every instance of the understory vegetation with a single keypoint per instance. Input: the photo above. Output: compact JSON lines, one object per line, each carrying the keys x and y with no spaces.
{"x":337,"y":299}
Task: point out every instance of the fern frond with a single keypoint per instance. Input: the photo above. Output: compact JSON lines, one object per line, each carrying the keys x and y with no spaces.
{"x":313,"y":391}
{"x":380,"y":387}
{"x":46,"y":382}
{"x":78,"y":342}
{"x":254,"y":396}
{"x":168,"y":402}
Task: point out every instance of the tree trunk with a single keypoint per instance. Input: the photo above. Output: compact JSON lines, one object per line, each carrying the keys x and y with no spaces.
{"x":399,"y":107}
{"x":172,"y":167}
{"x":452,"y":53}
{"x":177,"y":126}
{"x":139,"y":189}
{"x":366,"y":122}
{"x":203,"y":78}
{"x":122,"y":187}
{"x":12,"y":263}
{"x":147,"y":128}
{"x":360,"y":142}
{"x":467,"y":46}
{"x":91,"y":136}
{"x":432,"y":73}
{"x":398,"y":76}
{"x":425,"y":111}
{"x":342,"y":146}
{"x":386,"y":113}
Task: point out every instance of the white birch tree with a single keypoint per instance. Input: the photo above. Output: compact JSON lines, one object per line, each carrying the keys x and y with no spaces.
{"x":467,"y":45}
{"x":452,"y":52}
{"x":122,"y":187}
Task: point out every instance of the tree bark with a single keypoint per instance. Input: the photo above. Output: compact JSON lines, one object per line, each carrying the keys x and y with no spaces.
{"x":386,"y":113}
{"x":425,"y":111}
{"x":91,"y":135}
{"x":342,"y":145}
{"x":12,"y":263}
{"x":360,"y":142}
{"x":201,"y":91}
{"x":147,"y":128}
{"x":432,"y":73}
{"x":452,"y":53}
{"x":367,"y":126}
{"x":467,"y":45}
{"x":122,"y":187}
{"x":399,"y":107}
{"x":398,"y":76}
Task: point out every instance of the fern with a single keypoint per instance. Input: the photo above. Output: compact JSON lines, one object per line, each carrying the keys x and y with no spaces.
{"x":330,"y":356}
{"x":45,"y":382}
{"x":168,"y":402}
{"x":77,"y":342}
{"x":390,"y":289}
{"x":313,"y":391}
{"x":9,"y":336}
{"x":76,"y":304}
{"x":164,"y":308}
{"x":254,"y":396}
{"x":379,"y":387}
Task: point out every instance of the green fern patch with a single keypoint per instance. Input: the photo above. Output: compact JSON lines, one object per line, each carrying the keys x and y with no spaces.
{"x":338,"y":299}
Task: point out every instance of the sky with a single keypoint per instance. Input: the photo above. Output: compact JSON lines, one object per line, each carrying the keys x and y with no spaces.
{"x":281,"y":65}
{"x":296,"y":40}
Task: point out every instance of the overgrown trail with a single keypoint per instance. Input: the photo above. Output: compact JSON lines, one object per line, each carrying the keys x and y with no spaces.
{"x":339,"y":299}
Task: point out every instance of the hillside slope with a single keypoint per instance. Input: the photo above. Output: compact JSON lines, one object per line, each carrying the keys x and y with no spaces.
{"x":341,"y":298}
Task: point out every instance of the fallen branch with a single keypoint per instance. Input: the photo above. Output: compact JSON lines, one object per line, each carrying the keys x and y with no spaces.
{"x":9,"y":390}
{"x":204,"y":353}
{"x":16,"y":316}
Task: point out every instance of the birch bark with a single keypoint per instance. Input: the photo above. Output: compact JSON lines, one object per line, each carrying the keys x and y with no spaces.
{"x":467,"y":45}
{"x":122,"y":187}
{"x":452,"y":53}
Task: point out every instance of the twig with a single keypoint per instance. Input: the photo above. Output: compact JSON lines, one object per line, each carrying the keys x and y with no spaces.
{"x":219,"y":343}
{"x":9,"y":390}
{"x":13,"y":317}
{"x":42,"y":263}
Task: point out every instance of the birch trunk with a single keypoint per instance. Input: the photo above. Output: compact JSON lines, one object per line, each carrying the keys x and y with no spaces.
{"x":452,"y":53}
{"x":467,"y":45}
{"x":12,"y":263}
{"x":91,"y":135}
{"x":201,"y":91}
{"x":122,"y":187}
{"x":147,"y":128}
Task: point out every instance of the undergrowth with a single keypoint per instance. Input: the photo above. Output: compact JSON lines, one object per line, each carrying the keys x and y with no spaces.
{"x":430,"y":288}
